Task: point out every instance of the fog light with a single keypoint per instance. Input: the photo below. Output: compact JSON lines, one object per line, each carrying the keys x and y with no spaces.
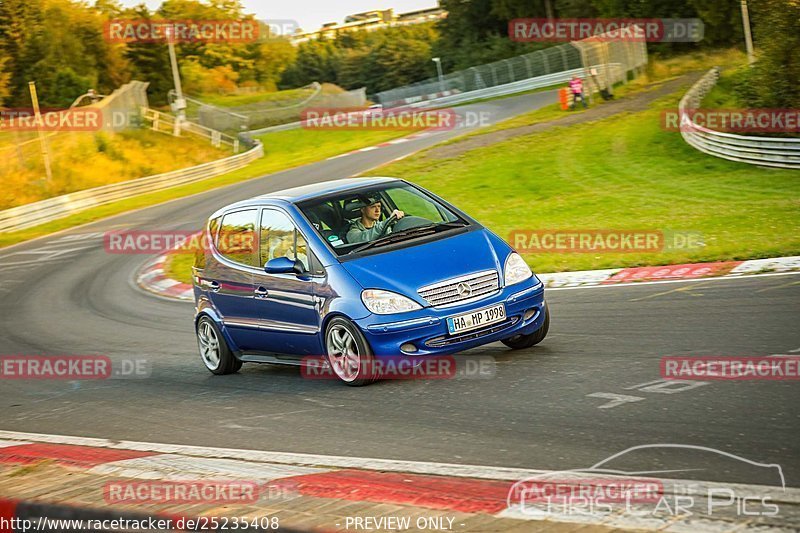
{"x":529,"y":313}
{"x":408,"y":348}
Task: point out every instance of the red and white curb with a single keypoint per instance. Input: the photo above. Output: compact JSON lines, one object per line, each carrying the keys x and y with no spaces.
{"x":448,"y":487}
{"x":401,"y":140}
{"x":692,"y":271}
{"x":152,"y":278}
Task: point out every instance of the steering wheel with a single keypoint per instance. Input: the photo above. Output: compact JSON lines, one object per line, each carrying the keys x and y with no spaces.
{"x":410,"y":221}
{"x":389,"y":222}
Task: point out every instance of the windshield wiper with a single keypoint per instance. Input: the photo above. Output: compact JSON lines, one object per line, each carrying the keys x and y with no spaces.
{"x":451,"y":224}
{"x":410,"y":232}
{"x":395,"y":237}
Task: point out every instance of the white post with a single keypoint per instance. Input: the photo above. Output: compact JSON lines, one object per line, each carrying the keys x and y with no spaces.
{"x":748,"y":38}
{"x":42,"y":136}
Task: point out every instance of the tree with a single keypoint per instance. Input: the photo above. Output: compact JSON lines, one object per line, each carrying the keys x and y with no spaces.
{"x":317,"y":60}
{"x":774,"y":80}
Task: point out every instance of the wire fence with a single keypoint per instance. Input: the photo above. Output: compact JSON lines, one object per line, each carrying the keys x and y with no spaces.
{"x":615,"y":60}
{"x":120,"y":110}
{"x":271,"y":111}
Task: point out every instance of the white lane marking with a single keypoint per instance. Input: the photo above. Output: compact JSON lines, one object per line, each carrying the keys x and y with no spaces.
{"x":9,"y":443}
{"x":616,"y":399}
{"x":184,"y":468}
{"x":789,"y":495}
{"x":668,"y":386}
{"x":795,"y":350}
{"x":49,"y":255}
{"x":368,"y":149}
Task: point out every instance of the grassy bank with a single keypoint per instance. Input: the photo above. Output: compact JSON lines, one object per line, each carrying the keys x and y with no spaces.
{"x":622,"y":172}
{"x":283,"y":150}
{"x":82,"y":160}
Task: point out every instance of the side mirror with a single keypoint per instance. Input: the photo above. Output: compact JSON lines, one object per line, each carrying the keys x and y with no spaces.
{"x":284,"y":265}
{"x":279,"y":265}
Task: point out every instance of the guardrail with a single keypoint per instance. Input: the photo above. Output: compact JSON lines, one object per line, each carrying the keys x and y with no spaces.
{"x":27,"y":216}
{"x":166,"y":123}
{"x":521,"y":86}
{"x":778,"y":152}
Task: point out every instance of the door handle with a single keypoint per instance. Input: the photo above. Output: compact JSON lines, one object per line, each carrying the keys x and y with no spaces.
{"x":261,"y":292}
{"x":213,"y":286}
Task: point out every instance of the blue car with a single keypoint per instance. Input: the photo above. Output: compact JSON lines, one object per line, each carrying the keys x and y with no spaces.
{"x":357,"y":270}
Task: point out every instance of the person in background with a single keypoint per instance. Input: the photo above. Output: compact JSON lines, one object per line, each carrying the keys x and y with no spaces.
{"x":576,"y":88}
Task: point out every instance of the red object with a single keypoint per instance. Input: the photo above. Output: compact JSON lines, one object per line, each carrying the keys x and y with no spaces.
{"x":8,"y":508}
{"x":435,"y":492}
{"x":564,"y":98}
{"x":690,"y":271}
{"x":80,"y":456}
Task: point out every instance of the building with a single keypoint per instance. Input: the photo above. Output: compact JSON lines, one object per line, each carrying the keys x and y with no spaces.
{"x":370,"y":21}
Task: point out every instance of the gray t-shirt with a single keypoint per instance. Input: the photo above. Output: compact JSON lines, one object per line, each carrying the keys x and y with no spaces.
{"x":359,"y":233}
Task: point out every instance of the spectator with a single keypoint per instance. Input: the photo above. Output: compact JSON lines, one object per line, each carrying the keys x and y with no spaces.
{"x":576,"y":87}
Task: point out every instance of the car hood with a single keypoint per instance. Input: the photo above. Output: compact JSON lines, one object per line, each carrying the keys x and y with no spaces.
{"x":407,"y":269}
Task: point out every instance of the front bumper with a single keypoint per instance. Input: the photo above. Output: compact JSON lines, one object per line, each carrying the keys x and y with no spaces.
{"x":427,"y":330}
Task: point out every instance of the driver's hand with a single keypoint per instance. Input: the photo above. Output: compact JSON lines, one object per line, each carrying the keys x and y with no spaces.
{"x":399,"y":214}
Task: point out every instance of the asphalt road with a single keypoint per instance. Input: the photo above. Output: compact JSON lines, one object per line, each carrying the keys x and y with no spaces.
{"x":556,"y":406}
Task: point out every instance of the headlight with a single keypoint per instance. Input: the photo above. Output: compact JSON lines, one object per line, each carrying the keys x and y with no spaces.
{"x":386,"y":302}
{"x":516,"y":269}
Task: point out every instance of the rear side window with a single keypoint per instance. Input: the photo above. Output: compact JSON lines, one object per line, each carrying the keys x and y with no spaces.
{"x":236,"y":240}
{"x":200,"y":253}
{"x":280,"y":238}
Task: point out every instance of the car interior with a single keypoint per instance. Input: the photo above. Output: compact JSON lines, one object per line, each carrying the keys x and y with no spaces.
{"x":333,"y":218}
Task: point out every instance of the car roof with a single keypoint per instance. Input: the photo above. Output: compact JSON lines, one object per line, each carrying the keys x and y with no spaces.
{"x":308,"y":192}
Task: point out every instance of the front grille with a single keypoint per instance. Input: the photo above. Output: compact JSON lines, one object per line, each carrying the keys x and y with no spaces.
{"x":445,"y":340}
{"x":480,"y":284}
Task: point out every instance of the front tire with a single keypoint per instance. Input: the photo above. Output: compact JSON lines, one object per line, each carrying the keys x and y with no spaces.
{"x":348,"y":353}
{"x":214,"y":351}
{"x":520,"y":342}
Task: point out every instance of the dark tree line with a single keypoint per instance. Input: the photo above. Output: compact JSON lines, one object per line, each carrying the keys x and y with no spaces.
{"x":61,"y":45}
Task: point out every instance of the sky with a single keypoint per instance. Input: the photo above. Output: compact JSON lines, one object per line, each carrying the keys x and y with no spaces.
{"x":311,"y":14}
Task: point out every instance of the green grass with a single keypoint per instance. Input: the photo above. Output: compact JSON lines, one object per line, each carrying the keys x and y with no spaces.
{"x":723,"y":95}
{"x":283,"y":150}
{"x":230,"y":100}
{"x":622,"y":173}
{"x":179,"y":267}
{"x":658,"y":70}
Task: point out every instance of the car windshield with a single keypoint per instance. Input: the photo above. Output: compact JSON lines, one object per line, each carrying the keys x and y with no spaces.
{"x":356,"y":220}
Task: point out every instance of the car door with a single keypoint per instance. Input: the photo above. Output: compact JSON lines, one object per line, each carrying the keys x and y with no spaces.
{"x":286,"y":307}
{"x":228,"y":279}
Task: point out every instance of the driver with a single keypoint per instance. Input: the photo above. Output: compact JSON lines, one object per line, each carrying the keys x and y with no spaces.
{"x":368,"y":227}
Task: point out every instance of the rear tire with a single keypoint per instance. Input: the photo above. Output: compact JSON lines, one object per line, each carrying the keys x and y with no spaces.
{"x":520,"y":342}
{"x":214,"y":351}
{"x":348,"y":353}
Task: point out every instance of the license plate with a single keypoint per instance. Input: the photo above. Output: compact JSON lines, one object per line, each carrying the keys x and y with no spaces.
{"x":476,"y":319}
